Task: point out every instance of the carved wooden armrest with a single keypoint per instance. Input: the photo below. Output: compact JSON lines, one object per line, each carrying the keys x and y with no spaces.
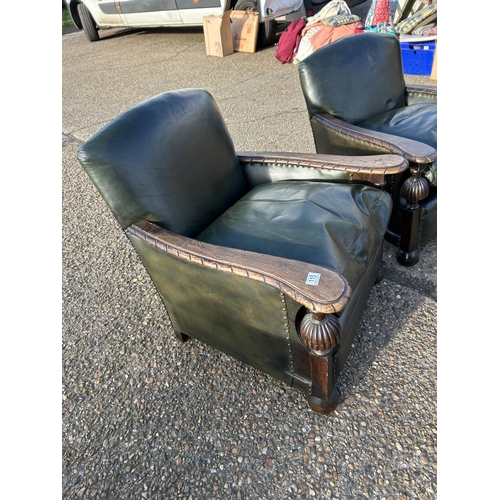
{"x":376,"y":164}
{"x":330,"y":295}
{"x":413,"y":151}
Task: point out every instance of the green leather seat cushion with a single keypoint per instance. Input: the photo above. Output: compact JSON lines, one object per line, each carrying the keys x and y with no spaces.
{"x":338,"y":226}
{"x":416,"y":121}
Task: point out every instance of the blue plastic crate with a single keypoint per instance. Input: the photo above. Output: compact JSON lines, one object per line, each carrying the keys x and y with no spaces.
{"x":417,"y":57}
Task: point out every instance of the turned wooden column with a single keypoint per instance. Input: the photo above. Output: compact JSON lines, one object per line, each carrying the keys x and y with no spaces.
{"x":414,"y":189}
{"x":320,"y":333}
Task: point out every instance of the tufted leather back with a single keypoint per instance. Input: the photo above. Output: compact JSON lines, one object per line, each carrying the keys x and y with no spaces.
{"x":168,"y":160}
{"x":354,"y":78}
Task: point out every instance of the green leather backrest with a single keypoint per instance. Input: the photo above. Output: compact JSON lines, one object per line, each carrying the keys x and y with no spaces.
{"x":354,"y":78}
{"x":169,"y":160}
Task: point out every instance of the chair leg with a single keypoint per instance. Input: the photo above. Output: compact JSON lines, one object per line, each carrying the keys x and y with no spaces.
{"x":408,"y":254}
{"x":380,"y":274}
{"x":325,"y":397}
{"x":181,"y":337}
{"x":324,"y":406}
{"x":407,"y":259}
{"x":414,"y":189}
{"x":320,"y":333}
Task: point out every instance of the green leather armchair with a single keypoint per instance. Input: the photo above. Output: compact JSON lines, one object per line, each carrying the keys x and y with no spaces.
{"x":264,"y":256}
{"x":359,"y":104}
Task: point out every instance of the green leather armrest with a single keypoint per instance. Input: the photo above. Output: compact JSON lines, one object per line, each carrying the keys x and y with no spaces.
{"x":420,"y":94}
{"x":330,"y":295}
{"x":413,"y":151}
{"x":261,"y":167}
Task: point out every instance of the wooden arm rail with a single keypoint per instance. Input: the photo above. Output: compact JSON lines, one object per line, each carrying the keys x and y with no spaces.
{"x":423,"y":90}
{"x":413,"y":151}
{"x":376,"y":164}
{"x":331,"y":295}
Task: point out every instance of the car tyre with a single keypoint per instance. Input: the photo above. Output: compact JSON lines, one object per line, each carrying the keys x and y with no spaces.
{"x":267,"y":29}
{"x":88,"y":23}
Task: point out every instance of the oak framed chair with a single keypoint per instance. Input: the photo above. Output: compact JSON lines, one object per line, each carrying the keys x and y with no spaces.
{"x":264,"y":256}
{"x":359,"y":104}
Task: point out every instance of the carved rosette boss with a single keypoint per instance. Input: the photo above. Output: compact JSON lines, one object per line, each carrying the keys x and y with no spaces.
{"x":320,"y":332}
{"x":415,"y":188}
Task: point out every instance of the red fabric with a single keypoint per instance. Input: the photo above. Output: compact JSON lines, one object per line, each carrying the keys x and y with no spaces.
{"x":381,"y":13}
{"x":289,"y":41}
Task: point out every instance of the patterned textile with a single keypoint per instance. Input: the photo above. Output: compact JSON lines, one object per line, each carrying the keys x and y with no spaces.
{"x":340,"y":20}
{"x":381,"y":12}
{"x":426,"y":30}
{"x":407,"y":25}
{"x":332,"y":8}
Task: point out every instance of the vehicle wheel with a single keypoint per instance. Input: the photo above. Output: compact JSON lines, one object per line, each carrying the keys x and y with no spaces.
{"x":267,"y":29}
{"x":88,"y":23}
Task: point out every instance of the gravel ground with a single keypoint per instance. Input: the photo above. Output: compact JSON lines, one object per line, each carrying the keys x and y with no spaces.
{"x":144,"y":417}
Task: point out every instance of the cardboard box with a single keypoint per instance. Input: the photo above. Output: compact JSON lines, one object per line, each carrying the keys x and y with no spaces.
{"x":218,"y":35}
{"x":245,"y":28}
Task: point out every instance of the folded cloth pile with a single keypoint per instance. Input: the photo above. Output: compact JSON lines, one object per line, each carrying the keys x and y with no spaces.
{"x":424,"y":18}
{"x":333,"y":8}
{"x":332,"y":22}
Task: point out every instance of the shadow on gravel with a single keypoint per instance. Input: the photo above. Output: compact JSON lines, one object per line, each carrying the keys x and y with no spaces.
{"x":397,"y":334}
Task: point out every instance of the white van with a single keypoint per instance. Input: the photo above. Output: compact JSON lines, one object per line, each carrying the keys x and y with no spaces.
{"x":92,"y":15}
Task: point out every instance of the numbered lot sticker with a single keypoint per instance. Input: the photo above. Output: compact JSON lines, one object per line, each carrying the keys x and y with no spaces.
{"x":313,"y":279}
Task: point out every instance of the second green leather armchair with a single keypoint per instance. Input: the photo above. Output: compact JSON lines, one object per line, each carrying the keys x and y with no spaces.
{"x":359,"y":104}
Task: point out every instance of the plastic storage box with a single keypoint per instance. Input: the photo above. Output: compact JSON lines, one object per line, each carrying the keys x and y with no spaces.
{"x":417,"y":57}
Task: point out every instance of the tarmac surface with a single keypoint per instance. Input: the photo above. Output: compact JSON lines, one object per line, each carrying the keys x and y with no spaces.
{"x":147,"y":418}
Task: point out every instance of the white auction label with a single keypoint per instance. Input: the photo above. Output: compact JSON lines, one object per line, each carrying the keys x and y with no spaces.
{"x":313,"y":278}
